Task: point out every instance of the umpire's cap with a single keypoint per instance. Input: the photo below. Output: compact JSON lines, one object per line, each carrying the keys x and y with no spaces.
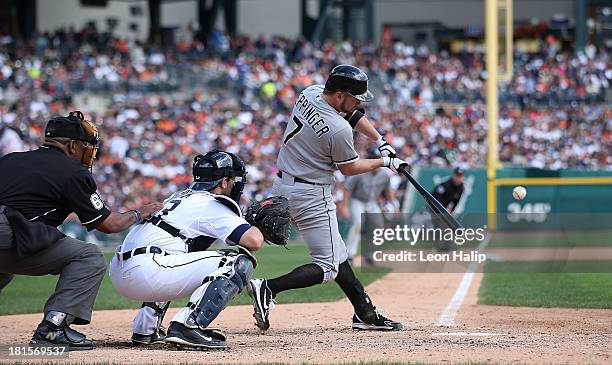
{"x":74,"y":126}
{"x":351,"y":80}
{"x":209,"y":169}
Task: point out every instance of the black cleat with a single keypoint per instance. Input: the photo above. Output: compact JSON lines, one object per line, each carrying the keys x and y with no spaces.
{"x":378,"y":322}
{"x":156,"y":338}
{"x":262,"y":300}
{"x":48,"y":334}
{"x":181,"y":335}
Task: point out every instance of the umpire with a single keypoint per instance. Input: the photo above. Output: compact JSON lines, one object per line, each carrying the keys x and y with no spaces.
{"x":38,"y":190}
{"x":448,"y":193}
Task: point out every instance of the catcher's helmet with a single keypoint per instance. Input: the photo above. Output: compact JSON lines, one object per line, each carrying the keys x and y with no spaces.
{"x":351,"y":80}
{"x":209,"y":169}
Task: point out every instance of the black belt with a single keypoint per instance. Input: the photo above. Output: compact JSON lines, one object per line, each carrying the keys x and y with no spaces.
{"x":296,"y":179}
{"x":126,"y":255}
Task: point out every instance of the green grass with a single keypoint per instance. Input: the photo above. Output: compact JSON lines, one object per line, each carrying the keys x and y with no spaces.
{"x":593,"y":238}
{"x":28,"y":294}
{"x":512,"y":284}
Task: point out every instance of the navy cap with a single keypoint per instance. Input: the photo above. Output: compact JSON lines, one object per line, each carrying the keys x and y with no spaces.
{"x":458,"y":171}
{"x":71,"y":127}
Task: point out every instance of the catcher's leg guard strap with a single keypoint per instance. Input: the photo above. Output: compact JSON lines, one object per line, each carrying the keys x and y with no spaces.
{"x":150,"y":317}
{"x":354,"y":291}
{"x":160,"y":309}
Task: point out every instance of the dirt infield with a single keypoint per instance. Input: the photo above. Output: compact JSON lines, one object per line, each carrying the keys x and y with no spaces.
{"x":321,"y":332}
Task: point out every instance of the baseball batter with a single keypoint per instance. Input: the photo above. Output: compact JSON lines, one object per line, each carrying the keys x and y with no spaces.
{"x":164,"y":258}
{"x":317,"y":141}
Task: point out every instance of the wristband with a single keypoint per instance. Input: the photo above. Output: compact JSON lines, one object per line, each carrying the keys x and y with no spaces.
{"x":386,"y":161}
{"x":138,"y":215}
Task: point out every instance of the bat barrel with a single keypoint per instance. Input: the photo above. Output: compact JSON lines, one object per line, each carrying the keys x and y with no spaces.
{"x":432,"y":202}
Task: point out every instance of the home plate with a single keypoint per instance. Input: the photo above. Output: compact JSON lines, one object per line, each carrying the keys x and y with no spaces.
{"x":467,"y":334}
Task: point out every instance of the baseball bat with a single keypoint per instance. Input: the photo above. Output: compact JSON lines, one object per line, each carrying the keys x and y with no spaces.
{"x":432,"y":202}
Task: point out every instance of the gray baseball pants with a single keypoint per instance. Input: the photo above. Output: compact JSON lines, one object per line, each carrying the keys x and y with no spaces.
{"x":314,"y":213}
{"x":80,"y":267}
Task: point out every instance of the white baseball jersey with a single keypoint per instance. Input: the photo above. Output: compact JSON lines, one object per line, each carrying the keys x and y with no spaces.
{"x":196,"y":214}
{"x":316,"y":139}
{"x":180,"y":271}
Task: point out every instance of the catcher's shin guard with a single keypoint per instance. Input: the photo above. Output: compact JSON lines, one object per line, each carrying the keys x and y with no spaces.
{"x":215,"y":293}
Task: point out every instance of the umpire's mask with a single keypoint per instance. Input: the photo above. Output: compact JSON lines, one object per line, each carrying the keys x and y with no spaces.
{"x":209,"y":169}
{"x":74,"y":126}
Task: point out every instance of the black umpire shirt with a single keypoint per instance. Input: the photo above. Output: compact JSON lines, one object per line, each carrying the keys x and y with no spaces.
{"x":448,"y":194}
{"x":45,"y":186}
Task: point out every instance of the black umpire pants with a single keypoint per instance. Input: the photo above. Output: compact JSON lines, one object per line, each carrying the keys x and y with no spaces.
{"x":5,"y":280}
{"x":80,"y":266}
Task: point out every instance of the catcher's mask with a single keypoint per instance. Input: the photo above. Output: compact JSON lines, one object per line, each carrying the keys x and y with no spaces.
{"x":209,"y":169}
{"x":74,"y":126}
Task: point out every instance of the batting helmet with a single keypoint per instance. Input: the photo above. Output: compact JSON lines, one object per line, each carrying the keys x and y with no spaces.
{"x":209,"y":169}
{"x":351,"y":80}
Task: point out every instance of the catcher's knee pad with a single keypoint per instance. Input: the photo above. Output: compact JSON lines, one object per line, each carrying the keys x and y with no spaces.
{"x":237,"y":267}
{"x":242,"y":270}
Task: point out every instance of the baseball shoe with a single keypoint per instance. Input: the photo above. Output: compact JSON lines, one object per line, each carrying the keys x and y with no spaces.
{"x":157,"y":337}
{"x":261,"y":296}
{"x":380,"y":322}
{"x":48,"y":334}
{"x":181,"y":335}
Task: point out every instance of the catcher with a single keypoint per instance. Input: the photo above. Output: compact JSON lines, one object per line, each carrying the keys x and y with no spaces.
{"x":165,"y":259}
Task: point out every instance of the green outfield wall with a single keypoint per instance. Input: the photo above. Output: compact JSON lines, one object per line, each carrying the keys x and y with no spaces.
{"x":572,"y":199}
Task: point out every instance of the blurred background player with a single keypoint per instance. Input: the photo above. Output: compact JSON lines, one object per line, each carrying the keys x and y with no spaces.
{"x":448,"y":193}
{"x":363,"y":195}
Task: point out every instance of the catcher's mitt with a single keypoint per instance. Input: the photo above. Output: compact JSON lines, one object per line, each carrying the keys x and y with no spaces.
{"x":272,"y":217}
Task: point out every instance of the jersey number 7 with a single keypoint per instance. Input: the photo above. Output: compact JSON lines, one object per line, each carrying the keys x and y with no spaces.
{"x":298,"y":127}
{"x":175,"y":203}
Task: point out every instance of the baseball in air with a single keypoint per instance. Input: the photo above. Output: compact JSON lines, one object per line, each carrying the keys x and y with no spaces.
{"x":519,"y":193}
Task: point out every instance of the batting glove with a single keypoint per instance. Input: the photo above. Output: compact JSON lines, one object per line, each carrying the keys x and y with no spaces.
{"x":394,"y":163}
{"x":385,"y":149}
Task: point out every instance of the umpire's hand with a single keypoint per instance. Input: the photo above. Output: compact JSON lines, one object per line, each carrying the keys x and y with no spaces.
{"x":148,"y":210}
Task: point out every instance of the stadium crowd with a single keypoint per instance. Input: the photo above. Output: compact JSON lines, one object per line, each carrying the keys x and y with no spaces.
{"x":158,"y":107}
